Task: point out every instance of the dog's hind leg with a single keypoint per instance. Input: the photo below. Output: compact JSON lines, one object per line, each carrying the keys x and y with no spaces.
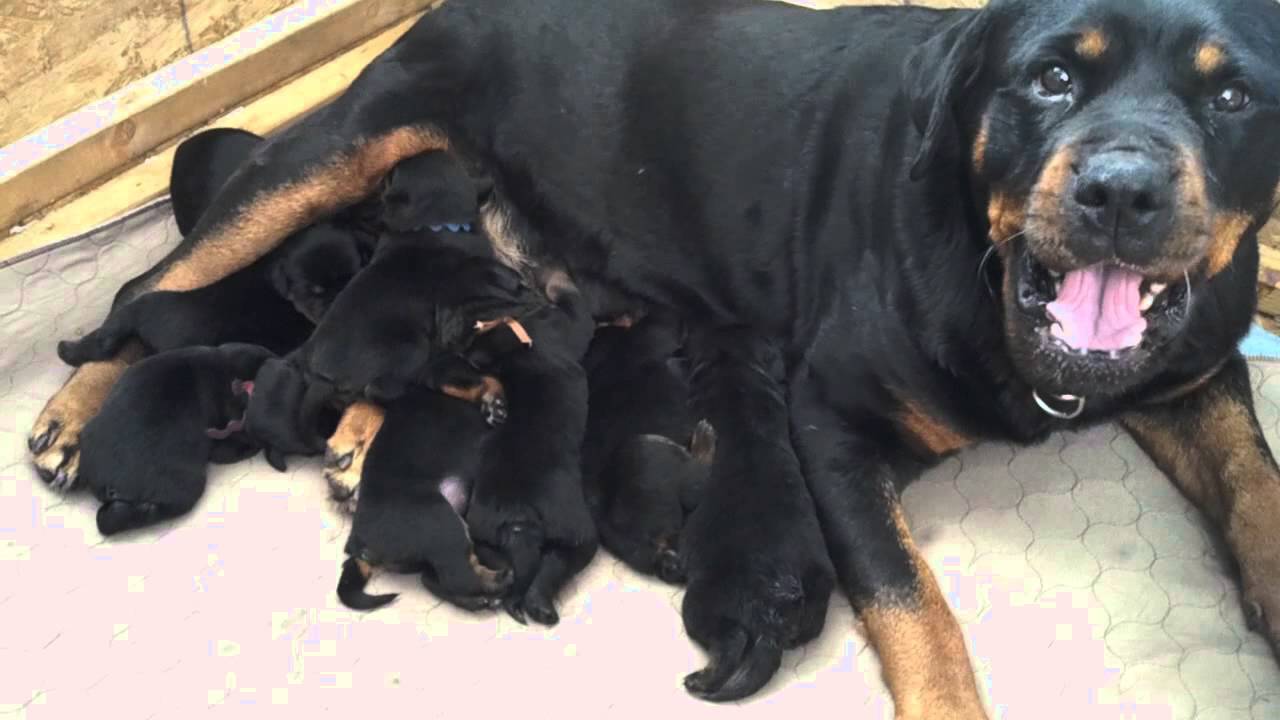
{"x":347,"y":449}
{"x":54,"y":441}
{"x":331,"y":159}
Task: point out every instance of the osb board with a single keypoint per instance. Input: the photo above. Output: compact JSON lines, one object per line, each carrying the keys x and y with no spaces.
{"x":61,"y":54}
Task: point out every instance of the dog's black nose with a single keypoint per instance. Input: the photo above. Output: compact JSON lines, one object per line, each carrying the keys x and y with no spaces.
{"x":1127,"y":196}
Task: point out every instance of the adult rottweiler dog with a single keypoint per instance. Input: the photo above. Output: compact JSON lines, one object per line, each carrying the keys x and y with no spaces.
{"x":144,"y":456}
{"x":892,"y":195}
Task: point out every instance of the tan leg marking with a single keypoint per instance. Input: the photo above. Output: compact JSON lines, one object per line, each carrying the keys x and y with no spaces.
{"x":487,"y":389}
{"x":75,"y":404}
{"x":927,"y":432}
{"x":268,"y":219}
{"x":922,"y":651}
{"x":347,"y":449}
{"x":1210,"y":445}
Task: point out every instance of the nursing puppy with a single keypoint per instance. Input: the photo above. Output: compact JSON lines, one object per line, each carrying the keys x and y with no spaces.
{"x":286,"y":416}
{"x":420,"y":297}
{"x":415,"y":488}
{"x":431,"y":191}
{"x":527,"y":509}
{"x":144,"y":456}
{"x":645,"y":457}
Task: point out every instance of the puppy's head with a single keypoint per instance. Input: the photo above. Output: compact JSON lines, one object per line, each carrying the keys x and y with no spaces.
{"x":1124,"y":154}
{"x":430,"y":190}
{"x":318,"y":264}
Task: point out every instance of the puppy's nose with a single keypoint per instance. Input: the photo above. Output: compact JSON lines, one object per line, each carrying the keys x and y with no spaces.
{"x":1126,"y":195}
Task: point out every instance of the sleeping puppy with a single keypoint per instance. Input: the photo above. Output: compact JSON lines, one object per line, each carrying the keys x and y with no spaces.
{"x":144,"y":455}
{"x":415,"y":487}
{"x":419,"y":298}
{"x":431,"y":191}
{"x":645,"y":457}
{"x":274,"y":302}
{"x":527,"y":510}
{"x":286,"y":416}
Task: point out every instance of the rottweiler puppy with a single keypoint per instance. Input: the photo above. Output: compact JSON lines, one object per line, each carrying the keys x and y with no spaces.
{"x":433,"y":191}
{"x":145,"y":455}
{"x":528,"y":510}
{"x":419,"y":298}
{"x":414,"y":491}
{"x":645,"y":456}
{"x":286,"y":415}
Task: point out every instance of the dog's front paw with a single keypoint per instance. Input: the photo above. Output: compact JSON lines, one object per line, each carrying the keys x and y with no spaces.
{"x":755,"y":588}
{"x":346,"y":450}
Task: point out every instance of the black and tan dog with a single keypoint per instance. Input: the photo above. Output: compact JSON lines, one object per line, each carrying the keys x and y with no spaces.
{"x":414,"y":491}
{"x":144,"y":456}
{"x":1045,"y":217}
{"x":645,"y":456}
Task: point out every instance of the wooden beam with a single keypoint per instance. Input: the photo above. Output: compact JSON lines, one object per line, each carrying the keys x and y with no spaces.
{"x":61,"y":54}
{"x":149,"y":179}
{"x":107,"y":136}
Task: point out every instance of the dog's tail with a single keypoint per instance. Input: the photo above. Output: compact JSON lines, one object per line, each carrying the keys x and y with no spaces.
{"x":355,"y":576}
{"x":120,"y":515}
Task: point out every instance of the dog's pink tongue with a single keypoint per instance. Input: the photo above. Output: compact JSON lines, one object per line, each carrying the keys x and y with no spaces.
{"x":1097,"y":309}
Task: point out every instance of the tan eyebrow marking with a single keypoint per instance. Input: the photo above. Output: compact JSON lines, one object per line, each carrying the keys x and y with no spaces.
{"x":1092,"y":44}
{"x":1210,"y":57}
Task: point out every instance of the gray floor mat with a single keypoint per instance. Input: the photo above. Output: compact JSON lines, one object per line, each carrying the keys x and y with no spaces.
{"x":1087,"y":587}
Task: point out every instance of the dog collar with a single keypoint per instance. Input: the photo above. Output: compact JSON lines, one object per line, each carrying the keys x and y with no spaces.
{"x":484,"y":326}
{"x":1051,"y":411}
{"x":451,"y":227}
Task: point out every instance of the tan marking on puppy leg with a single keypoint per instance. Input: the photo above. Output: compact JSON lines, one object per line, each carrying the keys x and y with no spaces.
{"x":922,"y":651}
{"x":1212,"y":447}
{"x":257,"y":228}
{"x":927,"y":432}
{"x":1091,"y":44}
{"x":488,"y":576}
{"x":1210,"y":57}
{"x":1228,"y":228}
{"x":348,"y":447}
{"x":366,"y":569}
{"x":487,"y":389}
{"x":75,"y":404}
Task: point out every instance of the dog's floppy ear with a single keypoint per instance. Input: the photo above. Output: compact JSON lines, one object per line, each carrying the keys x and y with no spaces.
{"x":938,"y":74}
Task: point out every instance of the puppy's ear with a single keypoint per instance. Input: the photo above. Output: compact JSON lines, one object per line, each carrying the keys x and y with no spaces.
{"x":938,"y":74}
{"x":280,"y":277}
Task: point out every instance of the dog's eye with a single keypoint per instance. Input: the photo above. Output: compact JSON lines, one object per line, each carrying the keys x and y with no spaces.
{"x":1055,"y":82}
{"x":1233,"y":98}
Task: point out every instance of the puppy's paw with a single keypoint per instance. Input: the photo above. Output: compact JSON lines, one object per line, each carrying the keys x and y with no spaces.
{"x":671,"y":567}
{"x":346,"y":450}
